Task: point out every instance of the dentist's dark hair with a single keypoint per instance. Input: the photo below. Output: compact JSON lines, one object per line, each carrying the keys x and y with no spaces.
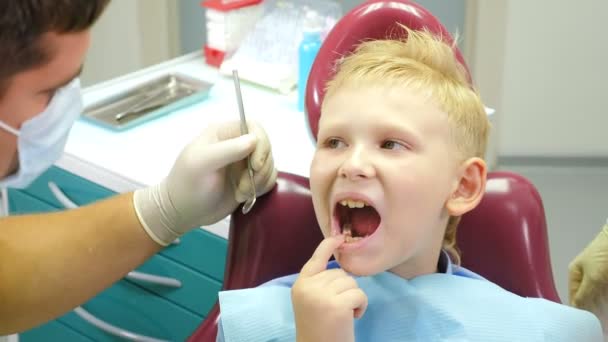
{"x":24,"y":22}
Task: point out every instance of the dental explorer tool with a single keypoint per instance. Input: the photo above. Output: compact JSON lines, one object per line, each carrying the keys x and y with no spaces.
{"x":244,"y":130}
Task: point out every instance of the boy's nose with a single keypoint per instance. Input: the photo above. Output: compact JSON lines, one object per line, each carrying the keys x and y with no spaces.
{"x":356,"y":166}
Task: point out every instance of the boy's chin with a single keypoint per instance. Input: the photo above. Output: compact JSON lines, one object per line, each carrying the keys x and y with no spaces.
{"x":360,"y":268}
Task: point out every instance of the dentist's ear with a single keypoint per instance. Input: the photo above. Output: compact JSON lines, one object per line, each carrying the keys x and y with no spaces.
{"x":470,"y":187}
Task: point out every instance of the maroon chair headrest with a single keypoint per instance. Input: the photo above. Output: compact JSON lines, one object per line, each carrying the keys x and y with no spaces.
{"x":374,"y":19}
{"x":505,"y":238}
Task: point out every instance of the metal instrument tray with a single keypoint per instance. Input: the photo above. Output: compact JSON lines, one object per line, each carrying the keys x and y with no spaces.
{"x":147,"y":101}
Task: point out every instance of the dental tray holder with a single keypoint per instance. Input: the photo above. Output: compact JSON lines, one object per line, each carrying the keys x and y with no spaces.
{"x":147,"y":101}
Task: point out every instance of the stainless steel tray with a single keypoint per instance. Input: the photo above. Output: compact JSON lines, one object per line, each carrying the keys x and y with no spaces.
{"x":147,"y":101}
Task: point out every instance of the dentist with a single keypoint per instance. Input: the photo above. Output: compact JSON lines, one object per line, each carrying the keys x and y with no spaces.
{"x":45,"y":260}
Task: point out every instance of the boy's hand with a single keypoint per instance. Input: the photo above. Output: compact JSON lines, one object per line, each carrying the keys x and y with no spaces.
{"x":325,"y":302}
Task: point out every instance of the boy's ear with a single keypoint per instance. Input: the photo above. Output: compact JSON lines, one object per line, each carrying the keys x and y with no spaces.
{"x":470,"y":187}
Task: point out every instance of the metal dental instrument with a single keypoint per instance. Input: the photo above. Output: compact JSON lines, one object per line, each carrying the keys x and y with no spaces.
{"x":141,"y":105}
{"x":244,"y":130}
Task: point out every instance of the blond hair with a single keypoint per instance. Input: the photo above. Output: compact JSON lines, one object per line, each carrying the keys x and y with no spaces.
{"x":425,"y":62}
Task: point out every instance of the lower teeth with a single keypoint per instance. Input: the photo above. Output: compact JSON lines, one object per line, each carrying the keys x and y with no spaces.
{"x":349,"y":238}
{"x":348,"y":235}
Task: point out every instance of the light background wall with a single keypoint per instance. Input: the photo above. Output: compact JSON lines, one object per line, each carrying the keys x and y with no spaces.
{"x":541,"y":64}
{"x":131,"y":35}
{"x":544,"y":63}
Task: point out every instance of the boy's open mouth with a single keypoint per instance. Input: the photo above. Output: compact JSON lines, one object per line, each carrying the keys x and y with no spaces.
{"x":357,"y":219}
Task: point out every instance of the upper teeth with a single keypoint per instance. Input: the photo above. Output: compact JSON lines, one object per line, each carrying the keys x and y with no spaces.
{"x":353,"y":203}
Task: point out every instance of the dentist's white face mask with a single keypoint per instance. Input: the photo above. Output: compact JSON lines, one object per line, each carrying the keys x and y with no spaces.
{"x":41,"y":140}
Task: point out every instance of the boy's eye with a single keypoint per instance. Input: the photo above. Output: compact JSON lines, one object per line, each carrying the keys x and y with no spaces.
{"x":334,"y":143}
{"x":393,"y":145}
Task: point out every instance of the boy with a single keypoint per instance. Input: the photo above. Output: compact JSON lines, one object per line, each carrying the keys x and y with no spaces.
{"x":398,"y":161}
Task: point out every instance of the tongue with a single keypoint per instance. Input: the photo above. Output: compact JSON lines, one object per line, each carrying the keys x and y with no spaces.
{"x":364,"y":220}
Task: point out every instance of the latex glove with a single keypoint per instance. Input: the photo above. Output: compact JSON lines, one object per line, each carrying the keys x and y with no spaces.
{"x":207,"y":182}
{"x":589,"y":273}
{"x":326,"y":302}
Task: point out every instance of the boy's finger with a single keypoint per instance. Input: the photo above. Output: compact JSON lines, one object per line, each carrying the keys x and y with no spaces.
{"x":356,"y":300}
{"x":342,"y":284}
{"x":318,"y":262}
{"x":331,"y":275}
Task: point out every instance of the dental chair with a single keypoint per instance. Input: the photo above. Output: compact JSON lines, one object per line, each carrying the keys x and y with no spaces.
{"x":504,"y":239}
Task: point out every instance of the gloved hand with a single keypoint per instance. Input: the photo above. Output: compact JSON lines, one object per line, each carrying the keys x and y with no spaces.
{"x":589,"y":273}
{"x":207,"y":182}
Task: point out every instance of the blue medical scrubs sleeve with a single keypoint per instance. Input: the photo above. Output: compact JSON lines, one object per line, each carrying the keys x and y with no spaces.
{"x":251,"y":314}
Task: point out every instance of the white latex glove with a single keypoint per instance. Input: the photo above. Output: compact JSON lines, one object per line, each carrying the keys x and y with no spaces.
{"x":207,"y":182}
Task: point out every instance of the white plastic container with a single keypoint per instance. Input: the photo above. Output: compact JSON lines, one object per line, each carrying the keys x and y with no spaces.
{"x":227,"y":23}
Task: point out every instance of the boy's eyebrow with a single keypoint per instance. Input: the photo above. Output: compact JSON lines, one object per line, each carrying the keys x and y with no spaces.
{"x":66,"y":81}
{"x":387,"y":127}
{"x":399,"y":128}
